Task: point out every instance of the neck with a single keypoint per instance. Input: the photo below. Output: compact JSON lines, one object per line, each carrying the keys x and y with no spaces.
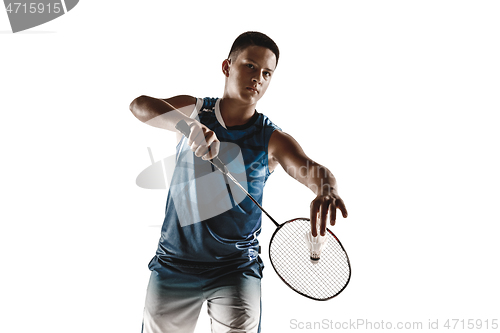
{"x":234,"y":112}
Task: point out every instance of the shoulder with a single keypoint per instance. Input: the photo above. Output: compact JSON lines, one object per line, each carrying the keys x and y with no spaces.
{"x":187,"y":104}
{"x":280,"y":140}
{"x":266,"y":122}
{"x":282,"y":147}
{"x":207,"y":104}
{"x":277,"y":144}
{"x":206,"y":111}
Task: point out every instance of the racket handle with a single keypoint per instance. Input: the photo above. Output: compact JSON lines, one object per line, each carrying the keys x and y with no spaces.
{"x":183,"y":127}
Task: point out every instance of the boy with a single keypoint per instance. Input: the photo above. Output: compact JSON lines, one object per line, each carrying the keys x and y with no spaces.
{"x":208,"y":248}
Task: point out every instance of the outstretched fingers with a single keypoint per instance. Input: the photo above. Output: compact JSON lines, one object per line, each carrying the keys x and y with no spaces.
{"x":321,"y":207}
{"x":338,"y":203}
{"x":323,"y":213}
{"x":333,"y":214}
{"x":315,"y":207}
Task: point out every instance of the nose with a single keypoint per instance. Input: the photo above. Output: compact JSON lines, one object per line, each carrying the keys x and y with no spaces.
{"x":257,"y":78}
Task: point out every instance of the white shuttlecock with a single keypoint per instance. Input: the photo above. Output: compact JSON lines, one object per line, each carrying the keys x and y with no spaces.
{"x":315,"y":245}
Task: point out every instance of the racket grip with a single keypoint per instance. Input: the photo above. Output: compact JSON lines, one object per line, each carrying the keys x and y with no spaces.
{"x":183,"y":127}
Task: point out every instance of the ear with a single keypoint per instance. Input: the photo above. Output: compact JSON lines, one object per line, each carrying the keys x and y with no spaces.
{"x":226,"y":64}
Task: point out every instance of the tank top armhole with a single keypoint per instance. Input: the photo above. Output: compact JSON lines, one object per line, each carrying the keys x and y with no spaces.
{"x":197,"y":108}
{"x":268,"y":172}
{"x":194,"y":114}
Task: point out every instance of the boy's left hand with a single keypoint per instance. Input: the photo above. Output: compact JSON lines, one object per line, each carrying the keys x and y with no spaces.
{"x":321,"y":206}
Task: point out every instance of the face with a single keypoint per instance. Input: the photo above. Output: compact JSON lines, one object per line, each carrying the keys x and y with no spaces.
{"x":249,"y":75}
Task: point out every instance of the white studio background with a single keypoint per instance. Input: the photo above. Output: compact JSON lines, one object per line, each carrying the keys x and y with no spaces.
{"x":398,"y":98}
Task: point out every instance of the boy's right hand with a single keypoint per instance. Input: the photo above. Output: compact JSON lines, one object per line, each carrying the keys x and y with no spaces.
{"x":203,"y":141}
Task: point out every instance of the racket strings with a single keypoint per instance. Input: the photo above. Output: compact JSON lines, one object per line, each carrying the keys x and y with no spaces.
{"x":290,"y":257}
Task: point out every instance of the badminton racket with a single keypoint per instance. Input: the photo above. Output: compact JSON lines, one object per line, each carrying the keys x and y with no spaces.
{"x":314,"y":267}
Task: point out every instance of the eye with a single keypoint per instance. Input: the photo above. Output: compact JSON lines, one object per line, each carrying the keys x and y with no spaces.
{"x":268,"y":74}
{"x":250,"y":66}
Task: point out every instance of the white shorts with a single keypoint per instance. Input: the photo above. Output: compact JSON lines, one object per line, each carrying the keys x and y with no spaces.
{"x":174,"y":300}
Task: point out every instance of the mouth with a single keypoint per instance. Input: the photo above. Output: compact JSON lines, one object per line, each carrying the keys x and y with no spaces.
{"x":253,"y":90}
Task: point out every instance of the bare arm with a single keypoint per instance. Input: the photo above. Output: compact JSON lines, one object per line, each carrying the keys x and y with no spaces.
{"x":164,"y":113}
{"x":283,"y":149}
{"x":167,"y":113}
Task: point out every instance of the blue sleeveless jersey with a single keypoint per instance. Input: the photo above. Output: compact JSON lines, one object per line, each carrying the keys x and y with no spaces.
{"x":209,"y":222}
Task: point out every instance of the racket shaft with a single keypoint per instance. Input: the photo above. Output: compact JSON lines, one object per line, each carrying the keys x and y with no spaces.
{"x":183,"y":127}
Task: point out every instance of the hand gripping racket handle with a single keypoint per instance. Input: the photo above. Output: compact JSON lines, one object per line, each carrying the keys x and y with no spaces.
{"x":183,"y":127}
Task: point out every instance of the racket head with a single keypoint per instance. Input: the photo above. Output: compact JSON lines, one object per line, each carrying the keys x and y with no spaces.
{"x":321,"y":280}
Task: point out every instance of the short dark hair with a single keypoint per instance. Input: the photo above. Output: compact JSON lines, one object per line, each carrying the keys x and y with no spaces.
{"x":255,"y":38}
